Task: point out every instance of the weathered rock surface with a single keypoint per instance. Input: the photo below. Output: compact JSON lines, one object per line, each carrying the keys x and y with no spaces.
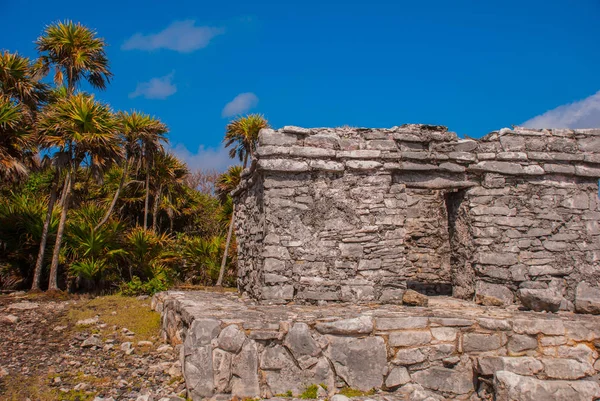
{"x":435,"y":353}
{"x":587,"y":299}
{"x":367,"y":215}
{"x":512,"y":387}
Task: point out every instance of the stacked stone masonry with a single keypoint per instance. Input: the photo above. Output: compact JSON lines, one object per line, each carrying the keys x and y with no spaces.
{"x":360,"y":215}
{"x":453,"y":349}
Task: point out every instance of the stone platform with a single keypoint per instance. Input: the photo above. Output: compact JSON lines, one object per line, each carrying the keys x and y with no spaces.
{"x":452,"y":349}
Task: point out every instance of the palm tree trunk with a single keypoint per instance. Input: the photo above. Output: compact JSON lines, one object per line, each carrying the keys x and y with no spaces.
{"x":37,"y":273}
{"x":224,"y":260}
{"x":155,"y":208}
{"x":53,"y":281}
{"x":115,"y":198}
{"x":147,"y":201}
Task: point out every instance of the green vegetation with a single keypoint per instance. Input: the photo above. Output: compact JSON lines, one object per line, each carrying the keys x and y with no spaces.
{"x":352,"y":392}
{"x":90,"y":198}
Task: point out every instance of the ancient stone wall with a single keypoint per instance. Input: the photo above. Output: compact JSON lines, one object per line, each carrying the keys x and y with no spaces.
{"x":360,"y":215}
{"x":453,"y":350}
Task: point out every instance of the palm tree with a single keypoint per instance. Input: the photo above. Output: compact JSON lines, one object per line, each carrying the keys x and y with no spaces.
{"x":243,"y":134}
{"x":88,"y":132}
{"x":169,"y":174}
{"x":15,"y":140}
{"x":139,"y":132}
{"x":76,"y":53}
{"x":19,"y":82}
{"x":226,"y":183}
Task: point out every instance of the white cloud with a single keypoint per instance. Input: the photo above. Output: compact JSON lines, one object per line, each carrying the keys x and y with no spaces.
{"x":156,"y":88}
{"x":582,"y":114}
{"x":180,"y":36}
{"x":240,"y":104}
{"x":205,"y":158}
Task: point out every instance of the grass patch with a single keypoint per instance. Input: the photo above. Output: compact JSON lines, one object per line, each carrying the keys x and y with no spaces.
{"x":20,"y":387}
{"x":310,"y":393}
{"x":120,"y":311}
{"x":352,"y":392}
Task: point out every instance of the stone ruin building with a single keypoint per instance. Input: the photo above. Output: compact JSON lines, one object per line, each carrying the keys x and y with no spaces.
{"x":360,"y":215}
{"x":335,"y":227}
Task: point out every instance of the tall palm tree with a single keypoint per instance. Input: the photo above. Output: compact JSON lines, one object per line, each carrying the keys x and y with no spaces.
{"x":169,"y":174}
{"x":242,"y":133}
{"x":139,"y":132}
{"x":75,"y":53}
{"x":88,"y":132}
{"x":226,"y":183}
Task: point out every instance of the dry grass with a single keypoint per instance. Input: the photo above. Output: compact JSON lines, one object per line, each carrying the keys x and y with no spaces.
{"x":119,"y":311}
{"x":17,"y":387}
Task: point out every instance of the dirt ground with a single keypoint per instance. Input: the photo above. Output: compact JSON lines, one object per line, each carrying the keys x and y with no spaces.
{"x":80,"y":348}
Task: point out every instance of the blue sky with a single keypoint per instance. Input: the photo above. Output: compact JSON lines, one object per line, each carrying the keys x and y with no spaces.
{"x":474,"y":66}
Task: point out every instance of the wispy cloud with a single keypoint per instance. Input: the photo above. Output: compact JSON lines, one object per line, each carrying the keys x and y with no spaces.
{"x":582,"y":114}
{"x":156,"y":88}
{"x":240,"y":104}
{"x":180,"y":36}
{"x":205,"y":158}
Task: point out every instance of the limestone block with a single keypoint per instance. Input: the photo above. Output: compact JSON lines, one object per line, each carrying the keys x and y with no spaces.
{"x":301,"y":343}
{"x":589,"y":144}
{"x":497,"y":259}
{"x":409,"y":356}
{"x":540,"y":299}
{"x":527,"y":366}
{"x":291,"y":129}
{"x":309,"y":151}
{"x":276,"y":251}
{"x":201,"y":332}
{"x":391,"y":295}
{"x":231,"y":339}
{"x":263,"y":151}
{"x":559,"y":168}
{"x":198,"y":372}
{"x":359,"y":325}
{"x":326,"y":165}
{"x":512,"y":143}
{"x":363,"y":164}
{"x":493,"y":294}
{"x":382,"y":144}
{"x":327,"y":141}
{"x":268,"y":137}
{"x":275,"y":292}
{"x":358,"y":154}
{"x":283,"y":165}
{"x":519,"y":343}
{"x":498,"y":167}
{"x":222,"y":370}
{"x":494,"y":324}
{"x":245,"y":382}
{"x":398,"y":376}
{"x":587,"y":299}
{"x":512,"y":156}
{"x":351,"y":250}
{"x":446,"y":380}
{"x":361,"y":362}
{"x":550,"y":327}
{"x":512,"y":387}
{"x":566,"y":369}
{"x":444,"y":333}
{"x":409,"y":338}
{"x":480,"y":342}
{"x":400,"y":323}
